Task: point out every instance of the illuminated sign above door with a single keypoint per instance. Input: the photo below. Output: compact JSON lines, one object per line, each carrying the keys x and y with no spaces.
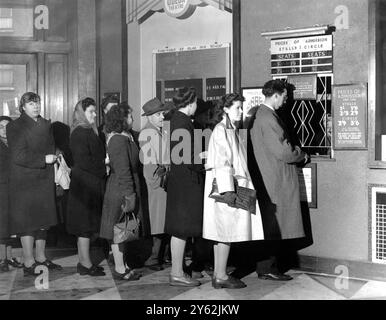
{"x":180,"y":9}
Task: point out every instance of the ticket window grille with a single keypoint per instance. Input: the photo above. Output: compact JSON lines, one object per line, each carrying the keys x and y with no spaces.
{"x":311,"y":120}
{"x":378,"y":224}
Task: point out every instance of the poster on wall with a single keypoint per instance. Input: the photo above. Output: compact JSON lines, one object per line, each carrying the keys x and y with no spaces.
{"x":253,"y":97}
{"x":349,"y":116}
{"x":305,"y":86}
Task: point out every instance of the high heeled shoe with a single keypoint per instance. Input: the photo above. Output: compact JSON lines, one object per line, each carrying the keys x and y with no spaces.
{"x":50,"y":265}
{"x":93,"y":271}
{"x":30,"y":271}
{"x":128,"y":275}
{"x":14,"y":263}
{"x":230,"y":283}
{"x":184,"y":281}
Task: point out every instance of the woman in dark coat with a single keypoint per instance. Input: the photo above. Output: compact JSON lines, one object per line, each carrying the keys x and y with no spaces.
{"x":32,"y":189}
{"x":85,"y":200}
{"x":121,"y":193}
{"x":6,"y":259}
{"x":185,"y":187}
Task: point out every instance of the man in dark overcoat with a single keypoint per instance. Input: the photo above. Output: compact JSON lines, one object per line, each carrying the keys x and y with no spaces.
{"x":277,"y":157}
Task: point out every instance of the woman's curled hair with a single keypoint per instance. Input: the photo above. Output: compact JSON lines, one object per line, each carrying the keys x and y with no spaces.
{"x":184,"y":97}
{"x":26,"y":98}
{"x":227,"y":100}
{"x":115,"y":120}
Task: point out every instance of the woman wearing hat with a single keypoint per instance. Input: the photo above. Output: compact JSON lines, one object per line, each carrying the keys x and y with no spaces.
{"x":32,"y":209}
{"x":185,"y":187}
{"x":6,"y":259}
{"x":153,"y":146}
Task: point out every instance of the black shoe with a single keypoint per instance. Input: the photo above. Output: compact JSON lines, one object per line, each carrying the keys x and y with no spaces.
{"x":128,"y":275}
{"x":14,"y":263}
{"x":93,"y":271}
{"x":230,"y":283}
{"x":4,"y":266}
{"x":50,"y":265}
{"x":274,"y":276}
{"x":30,"y":271}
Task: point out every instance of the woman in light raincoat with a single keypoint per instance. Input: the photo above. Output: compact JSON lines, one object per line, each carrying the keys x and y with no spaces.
{"x":227,"y":160}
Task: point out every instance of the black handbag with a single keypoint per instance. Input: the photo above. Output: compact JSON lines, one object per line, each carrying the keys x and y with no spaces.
{"x":245,"y":197}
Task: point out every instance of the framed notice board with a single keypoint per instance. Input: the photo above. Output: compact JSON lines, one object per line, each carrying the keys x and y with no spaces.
{"x":349,"y":104}
{"x":204,"y":67}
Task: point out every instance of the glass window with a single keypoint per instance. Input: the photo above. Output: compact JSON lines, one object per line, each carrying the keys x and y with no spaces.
{"x":16,"y":22}
{"x":13,"y":83}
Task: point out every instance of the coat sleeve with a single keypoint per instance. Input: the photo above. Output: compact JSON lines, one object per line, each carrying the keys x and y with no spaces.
{"x":277,"y":142}
{"x":21,"y":153}
{"x":221,"y":160}
{"x":119,"y":157}
{"x":81,"y":152}
{"x":151,"y":149}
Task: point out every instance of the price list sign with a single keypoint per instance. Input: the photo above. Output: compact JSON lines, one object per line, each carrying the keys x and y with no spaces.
{"x":350,"y":116}
{"x":172,"y":86}
{"x":215,"y":88}
{"x":301,"y":55}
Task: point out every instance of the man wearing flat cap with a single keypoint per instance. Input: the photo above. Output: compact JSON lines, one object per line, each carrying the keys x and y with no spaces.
{"x":152,"y":147}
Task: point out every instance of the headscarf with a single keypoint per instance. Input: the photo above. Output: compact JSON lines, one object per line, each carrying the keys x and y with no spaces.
{"x":79,"y":119}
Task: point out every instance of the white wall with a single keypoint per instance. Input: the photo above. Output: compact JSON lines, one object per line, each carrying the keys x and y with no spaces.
{"x":206,"y":26}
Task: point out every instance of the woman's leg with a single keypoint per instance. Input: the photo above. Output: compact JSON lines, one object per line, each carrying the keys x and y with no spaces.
{"x":221,"y":253}
{"x":177,"y":248}
{"x":118,"y":258}
{"x":84,"y":252}
{"x":27,"y":243}
{"x":9,"y":253}
{"x":3,"y":253}
{"x":40,"y":242}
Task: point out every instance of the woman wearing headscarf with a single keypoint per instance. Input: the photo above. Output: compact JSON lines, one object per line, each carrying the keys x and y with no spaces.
{"x":32,"y":209}
{"x":223,"y":222}
{"x":87,"y":183}
{"x":6,"y":258}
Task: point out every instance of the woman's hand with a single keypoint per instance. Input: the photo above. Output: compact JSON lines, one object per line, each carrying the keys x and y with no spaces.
{"x":129,"y":204}
{"x":51,"y":158}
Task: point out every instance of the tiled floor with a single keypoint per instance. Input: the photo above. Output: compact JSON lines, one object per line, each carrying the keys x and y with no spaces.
{"x":68,"y":285}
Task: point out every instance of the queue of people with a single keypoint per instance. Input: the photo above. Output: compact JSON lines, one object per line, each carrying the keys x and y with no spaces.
{"x":111,"y":167}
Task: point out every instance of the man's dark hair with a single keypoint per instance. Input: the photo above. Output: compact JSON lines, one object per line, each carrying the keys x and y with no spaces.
{"x":274,"y":86}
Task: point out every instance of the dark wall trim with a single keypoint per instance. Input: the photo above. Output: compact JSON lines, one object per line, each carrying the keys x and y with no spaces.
{"x":124,"y":53}
{"x":236,"y":45}
{"x":356,"y":269}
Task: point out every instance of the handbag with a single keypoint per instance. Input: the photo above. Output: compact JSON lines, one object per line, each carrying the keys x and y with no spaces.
{"x":127,"y":228}
{"x":245,"y":197}
{"x":62,"y":173}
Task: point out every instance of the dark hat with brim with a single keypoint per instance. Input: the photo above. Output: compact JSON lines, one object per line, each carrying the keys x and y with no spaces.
{"x":153,"y":106}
